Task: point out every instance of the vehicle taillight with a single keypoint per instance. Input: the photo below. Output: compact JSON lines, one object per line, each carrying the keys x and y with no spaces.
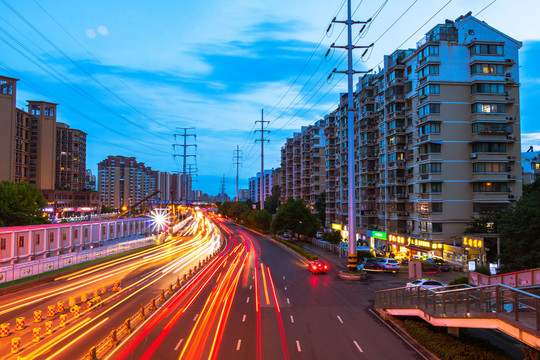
{"x":326,"y":267}
{"x":314,"y":267}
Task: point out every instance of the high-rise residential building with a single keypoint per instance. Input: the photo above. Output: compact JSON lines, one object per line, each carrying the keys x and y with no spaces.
{"x":124,"y":181}
{"x":255,"y":185}
{"x":90,"y":180}
{"x":70,"y":158}
{"x":302,"y":164}
{"x":437,"y":140}
{"x":179,"y":190}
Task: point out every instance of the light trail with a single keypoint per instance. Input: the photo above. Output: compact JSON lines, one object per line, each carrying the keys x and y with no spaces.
{"x":264,"y":284}
{"x":280,"y":320}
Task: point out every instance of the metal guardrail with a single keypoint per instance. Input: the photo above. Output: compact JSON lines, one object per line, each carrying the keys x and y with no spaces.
{"x":523,"y":278}
{"x":483,"y":302}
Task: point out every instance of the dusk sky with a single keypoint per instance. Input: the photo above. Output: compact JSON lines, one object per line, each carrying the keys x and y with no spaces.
{"x":128,"y":73}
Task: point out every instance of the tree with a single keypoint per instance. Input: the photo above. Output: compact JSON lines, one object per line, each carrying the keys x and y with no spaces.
{"x":294,"y":215}
{"x":272,"y":202}
{"x":320,"y":207}
{"x":333,"y":237}
{"x":236,"y":209}
{"x":106,"y":209}
{"x":21,"y":204}
{"x":259,"y":220}
{"x":519,"y":229}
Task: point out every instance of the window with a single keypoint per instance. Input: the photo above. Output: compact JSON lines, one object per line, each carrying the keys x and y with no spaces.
{"x":489,"y":208}
{"x":21,"y":241}
{"x":484,"y":108}
{"x":436,"y":207}
{"x":51,"y":237}
{"x":491,"y":128}
{"x":435,"y":187}
{"x":428,"y":50}
{"x":430,"y":168}
{"x":431,"y":128}
{"x":487,"y":49}
{"x":487,"y":88}
{"x":490,"y":187}
{"x":6,"y":87}
{"x":37,"y":239}
{"x":85,"y":233}
{"x":436,"y":227}
{"x":431,"y":69}
{"x":64,"y":235}
{"x":430,"y":148}
{"x":485,"y":147}
{"x":481,"y":167}
{"x":430,"y":89}
{"x":487,"y":69}
{"x":3,"y":244}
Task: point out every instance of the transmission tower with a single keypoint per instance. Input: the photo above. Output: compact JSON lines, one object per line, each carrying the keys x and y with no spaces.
{"x":223,"y":189}
{"x":184,"y":156}
{"x":350,"y":131}
{"x":237,"y":162}
{"x":262,"y":140}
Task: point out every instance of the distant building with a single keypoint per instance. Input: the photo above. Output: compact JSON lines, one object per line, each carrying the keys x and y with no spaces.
{"x":530,"y":161}
{"x":90,"y":180}
{"x":254,"y":185}
{"x":70,"y":158}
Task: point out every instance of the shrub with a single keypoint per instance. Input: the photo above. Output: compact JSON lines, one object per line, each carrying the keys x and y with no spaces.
{"x":448,"y":347}
{"x":297,"y":248}
{"x":483,"y":270}
{"x":459,"y":280}
{"x":364,"y":254}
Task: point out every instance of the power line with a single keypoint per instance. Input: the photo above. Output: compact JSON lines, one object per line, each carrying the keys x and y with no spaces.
{"x":184,"y":157}
{"x":238,"y":159}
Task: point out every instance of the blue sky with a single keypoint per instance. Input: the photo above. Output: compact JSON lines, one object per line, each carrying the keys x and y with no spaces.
{"x":129,"y":73}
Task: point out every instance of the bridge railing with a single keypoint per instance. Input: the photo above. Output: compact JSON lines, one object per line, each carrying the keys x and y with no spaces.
{"x":529,"y":277}
{"x":491,"y":301}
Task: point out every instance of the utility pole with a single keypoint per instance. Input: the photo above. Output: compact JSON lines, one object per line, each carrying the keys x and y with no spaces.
{"x":353,"y":261}
{"x":237,"y":159}
{"x":192,"y":170}
{"x":262,"y":140}
{"x":223,"y":189}
{"x":185,"y":135}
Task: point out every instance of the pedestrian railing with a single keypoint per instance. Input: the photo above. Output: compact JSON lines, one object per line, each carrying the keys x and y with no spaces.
{"x":520,"y":308}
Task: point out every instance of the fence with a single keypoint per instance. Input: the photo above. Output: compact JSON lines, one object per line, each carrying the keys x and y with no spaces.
{"x":516,"y":279}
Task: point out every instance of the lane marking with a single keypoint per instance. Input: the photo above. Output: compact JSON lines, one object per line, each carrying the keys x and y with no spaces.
{"x":284,"y":279}
{"x":285,"y":288}
{"x":178,"y":345}
{"x":247,"y":301}
{"x":341,"y":321}
{"x":238,"y":345}
{"x":298,"y":346}
{"x":358,"y":347}
{"x":244,"y":318}
{"x":292,"y":319}
{"x":250,"y":286}
{"x":288,"y":302}
{"x":196,"y":316}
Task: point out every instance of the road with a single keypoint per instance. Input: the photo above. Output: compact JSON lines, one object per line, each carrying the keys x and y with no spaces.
{"x":259,"y":301}
{"x":142,"y":276}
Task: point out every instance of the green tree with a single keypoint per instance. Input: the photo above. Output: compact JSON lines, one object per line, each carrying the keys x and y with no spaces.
{"x":21,"y":204}
{"x":519,"y":229}
{"x":272,"y":202}
{"x":294,"y":215}
{"x":320,"y":207}
{"x":236,"y":209}
{"x":333,"y":237}
{"x":260,"y":220}
{"x":106,"y":209}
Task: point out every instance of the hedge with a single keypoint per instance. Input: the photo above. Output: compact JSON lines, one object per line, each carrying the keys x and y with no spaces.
{"x":297,"y":248}
{"x":448,"y":347}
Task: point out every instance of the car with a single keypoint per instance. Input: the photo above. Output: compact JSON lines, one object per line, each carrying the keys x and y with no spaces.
{"x":442,"y":265}
{"x":388,"y":264}
{"x":369,"y":264}
{"x":426,"y":283}
{"x":318,"y":267}
{"x":319,"y":235}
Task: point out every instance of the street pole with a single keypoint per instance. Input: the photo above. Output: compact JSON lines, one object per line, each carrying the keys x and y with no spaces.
{"x":353,"y":261}
{"x":262,"y":140}
{"x":237,"y":157}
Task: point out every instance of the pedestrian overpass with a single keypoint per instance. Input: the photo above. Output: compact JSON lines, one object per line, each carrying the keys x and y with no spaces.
{"x":513,"y":311}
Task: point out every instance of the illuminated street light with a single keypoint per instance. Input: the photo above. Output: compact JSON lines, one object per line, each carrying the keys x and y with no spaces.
{"x":160,"y":219}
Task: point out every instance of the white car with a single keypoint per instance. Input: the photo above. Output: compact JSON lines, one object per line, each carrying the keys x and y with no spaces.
{"x":426,"y":283}
{"x":388,"y":264}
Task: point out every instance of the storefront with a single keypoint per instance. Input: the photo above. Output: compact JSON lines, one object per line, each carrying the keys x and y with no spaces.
{"x":410,"y":247}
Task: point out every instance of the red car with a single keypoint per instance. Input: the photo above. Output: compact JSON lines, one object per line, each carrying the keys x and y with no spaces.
{"x":318,"y":267}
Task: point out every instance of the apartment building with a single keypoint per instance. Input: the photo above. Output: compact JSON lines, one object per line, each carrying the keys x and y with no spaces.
{"x":302,"y":164}
{"x":255,"y":185}
{"x":437,"y":140}
{"x":70,"y":158}
{"x":124,"y":181}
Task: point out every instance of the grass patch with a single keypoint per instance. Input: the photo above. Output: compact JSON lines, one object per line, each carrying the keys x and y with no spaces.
{"x":297,"y":248}
{"x":67,"y":268}
{"x":448,"y":347}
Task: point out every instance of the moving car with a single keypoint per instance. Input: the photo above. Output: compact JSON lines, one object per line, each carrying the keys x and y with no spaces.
{"x":388,"y":264}
{"x":318,"y":267}
{"x":426,"y":283}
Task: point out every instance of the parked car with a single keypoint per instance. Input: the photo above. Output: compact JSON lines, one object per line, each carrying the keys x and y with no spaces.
{"x":388,"y":264}
{"x":369,"y":264}
{"x":318,"y":267}
{"x":430,"y":266}
{"x":426,"y":283}
{"x":443,"y":265}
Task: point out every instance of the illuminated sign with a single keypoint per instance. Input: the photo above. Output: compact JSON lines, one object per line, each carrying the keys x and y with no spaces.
{"x":49,"y":209}
{"x":336,"y":226}
{"x":475,"y":243}
{"x":411,"y":241}
{"x":86,"y":209}
{"x":379,"y":235}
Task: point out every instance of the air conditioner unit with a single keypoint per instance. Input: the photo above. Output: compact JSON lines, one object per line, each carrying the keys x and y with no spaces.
{"x":473,"y":155}
{"x":509,"y":167}
{"x":509,"y":61}
{"x":510,"y":137}
{"x":508,"y":75}
{"x":511,"y":196}
{"x":509,"y":118}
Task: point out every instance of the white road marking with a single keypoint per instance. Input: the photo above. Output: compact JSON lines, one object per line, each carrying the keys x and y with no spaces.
{"x":196,"y":316}
{"x":178,"y":345}
{"x":250,"y":287}
{"x":341,"y":321}
{"x":285,"y":288}
{"x":358,"y":346}
{"x":298,"y":346}
{"x":244,"y":318}
{"x":288,"y":302}
{"x":247,"y":301}
{"x":283,"y":277}
{"x":292,"y":319}
{"x":238,"y":345}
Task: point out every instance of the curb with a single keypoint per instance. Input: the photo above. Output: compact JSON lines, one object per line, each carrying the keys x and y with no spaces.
{"x":352,"y":276}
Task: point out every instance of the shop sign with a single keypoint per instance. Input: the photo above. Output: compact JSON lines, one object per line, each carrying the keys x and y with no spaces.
{"x":412,"y":241}
{"x":379,"y":235}
{"x":474,"y":243}
{"x":336,"y":227}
